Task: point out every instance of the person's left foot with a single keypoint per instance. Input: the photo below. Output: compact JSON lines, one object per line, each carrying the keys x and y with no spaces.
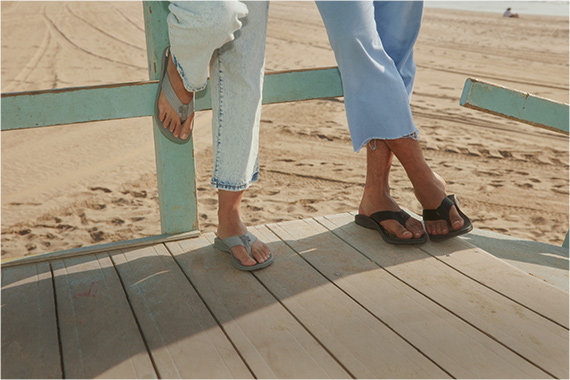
{"x":259,"y":250}
{"x":167,"y":115}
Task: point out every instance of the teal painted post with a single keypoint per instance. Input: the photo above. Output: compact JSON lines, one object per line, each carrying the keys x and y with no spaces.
{"x":175,"y":166}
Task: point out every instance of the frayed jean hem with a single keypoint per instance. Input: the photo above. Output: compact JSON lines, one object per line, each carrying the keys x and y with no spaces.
{"x":414,"y":136}
{"x":184,"y":80}
{"x":230,"y":187}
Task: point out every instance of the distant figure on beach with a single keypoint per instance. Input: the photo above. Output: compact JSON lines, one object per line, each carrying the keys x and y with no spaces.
{"x":205,"y":34}
{"x":508,"y":13}
{"x":373,"y":45}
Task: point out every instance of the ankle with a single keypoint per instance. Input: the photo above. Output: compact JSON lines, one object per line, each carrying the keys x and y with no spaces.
{"x":177,"y":83}
{"x":381,"y":201}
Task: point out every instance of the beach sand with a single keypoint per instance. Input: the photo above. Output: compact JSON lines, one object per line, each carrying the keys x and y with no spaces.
{"x":78,"y":185}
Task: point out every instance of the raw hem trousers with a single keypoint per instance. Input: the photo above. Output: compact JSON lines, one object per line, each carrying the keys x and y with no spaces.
{"x":228,"y":37}
{"x":373,"y":44}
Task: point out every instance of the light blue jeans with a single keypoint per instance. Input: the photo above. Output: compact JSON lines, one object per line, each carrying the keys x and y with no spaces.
{"x":373,"y":44}
{"x":228,"y":37}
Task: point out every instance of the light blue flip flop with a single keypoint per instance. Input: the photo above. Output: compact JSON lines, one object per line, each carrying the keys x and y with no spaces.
{"x":183,"y":110}
{"x":226,"y":245}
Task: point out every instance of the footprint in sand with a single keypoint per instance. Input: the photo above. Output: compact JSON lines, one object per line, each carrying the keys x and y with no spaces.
{"x":209,"y":201}
{"x":117,"y":221}
{"x":136,"y":194}
{"x":103,"y":189}
{"x":96,"y":235}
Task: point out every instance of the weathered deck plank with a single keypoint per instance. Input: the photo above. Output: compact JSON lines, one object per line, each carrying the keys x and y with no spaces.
{"x":30,"y":347}
{"x":184,"y":339}
{"x":99,"y":335}
{"x":537,"y":339}
{"x":337,"y":303}
{"x":365,"y":345}
{"x":505,"y":279}
{"x":460,"y":349}
{"x":269,"y":339}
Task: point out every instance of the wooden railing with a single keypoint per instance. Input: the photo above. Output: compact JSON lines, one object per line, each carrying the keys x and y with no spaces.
{"x":516,"y":105}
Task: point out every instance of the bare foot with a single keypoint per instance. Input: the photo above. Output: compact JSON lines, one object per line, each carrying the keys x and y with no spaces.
{"x":167,"y":114}
{"x":232,"y":226}
{"x":413,"y":228}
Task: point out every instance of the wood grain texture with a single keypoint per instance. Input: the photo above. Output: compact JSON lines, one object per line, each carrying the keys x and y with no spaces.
{"x":99,"y":334}
{"x":270,"y":340}
{"x":537,"y":339}
{"x":183,"y":337}
{"x":457,"y":347}
{"x":30,"y":346}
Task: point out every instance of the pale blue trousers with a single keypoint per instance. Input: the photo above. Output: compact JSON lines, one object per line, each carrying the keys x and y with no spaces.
{"x":373,"y":44}
{"x":228,"y":38}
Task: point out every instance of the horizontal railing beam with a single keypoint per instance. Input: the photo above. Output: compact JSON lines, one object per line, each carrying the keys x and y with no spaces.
{"x":120,"y":101}
{"x":515,"y":105}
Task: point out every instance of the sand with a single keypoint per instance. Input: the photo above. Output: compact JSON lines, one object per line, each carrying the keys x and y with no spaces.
{"x":78,"y":185}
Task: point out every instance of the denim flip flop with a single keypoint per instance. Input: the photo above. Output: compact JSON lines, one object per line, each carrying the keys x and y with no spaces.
{"x":183,"y":110}
{"x":442,"y":213}
{"x":246,"y":241}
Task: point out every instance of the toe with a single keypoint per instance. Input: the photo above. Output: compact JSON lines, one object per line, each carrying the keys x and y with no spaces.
{"x":166,"y":121}
{"x":415,"y":227}
{"x":435,"y":228}
{"x":186,"y":128}
{"x":456,"y":220}
{"x":175,"y":128}
{"x":395,"y":228}
{"x":240,"y":253}
{"x":260,"y":251}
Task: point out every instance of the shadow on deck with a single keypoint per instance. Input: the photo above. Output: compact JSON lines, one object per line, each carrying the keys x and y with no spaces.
{"x":337,"y":303}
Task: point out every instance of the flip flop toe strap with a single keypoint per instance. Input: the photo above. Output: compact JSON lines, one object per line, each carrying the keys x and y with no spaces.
{"x":183,"y":110}
{"x":244,"y":240}
{"x":400,"y":216}
{"x":442,"y":212}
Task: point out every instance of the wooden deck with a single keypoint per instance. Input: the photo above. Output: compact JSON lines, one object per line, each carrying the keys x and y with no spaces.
{"x":337,"y":303}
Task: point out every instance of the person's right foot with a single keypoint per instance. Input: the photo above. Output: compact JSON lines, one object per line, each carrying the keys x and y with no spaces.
{"x":167,"y":114}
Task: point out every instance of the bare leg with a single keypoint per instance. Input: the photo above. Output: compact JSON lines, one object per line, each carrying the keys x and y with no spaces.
{"x":167,"y":114}
{"x":429,"y":187}
{"x":230,"y":224}
{"x":376,"y":195}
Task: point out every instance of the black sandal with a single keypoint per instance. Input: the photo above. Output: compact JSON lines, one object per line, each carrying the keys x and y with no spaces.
{"x":442,"y":213}
{"x":373,"y":222}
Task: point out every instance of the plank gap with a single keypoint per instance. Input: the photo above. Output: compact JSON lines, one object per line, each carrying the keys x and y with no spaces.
{"x":298,"y":320}
{"x":129,"y":301}
{"x":57,"y":321}
{"x":355,"y":300}
{"x":220,"y":325}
